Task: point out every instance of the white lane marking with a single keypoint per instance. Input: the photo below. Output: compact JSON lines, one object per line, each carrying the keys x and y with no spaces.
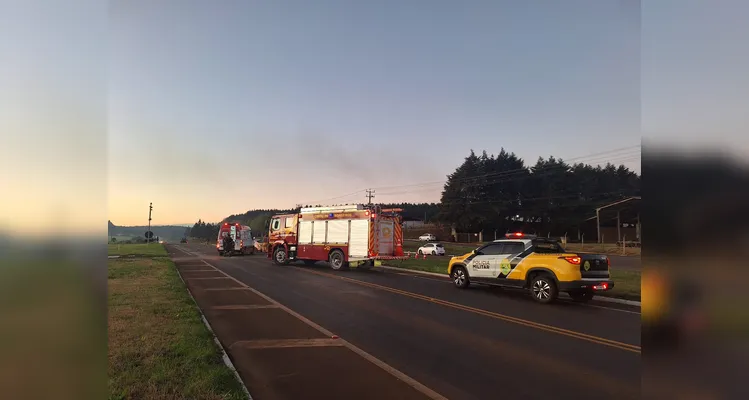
{"x":388,"y":368}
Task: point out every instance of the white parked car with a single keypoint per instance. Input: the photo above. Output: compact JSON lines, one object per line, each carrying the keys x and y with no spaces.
{"x":427,"y":237}
{"x":435,"y":249}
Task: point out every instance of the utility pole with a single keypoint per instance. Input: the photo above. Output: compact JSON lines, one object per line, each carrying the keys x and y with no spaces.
{"x":150,"y":208}
{"x":370,"y":195}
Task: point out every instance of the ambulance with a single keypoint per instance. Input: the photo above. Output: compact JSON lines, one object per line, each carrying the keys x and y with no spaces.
{"x":240,"y":234}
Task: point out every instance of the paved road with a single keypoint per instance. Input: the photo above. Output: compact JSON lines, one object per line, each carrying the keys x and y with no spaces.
{"x":473,"y":344}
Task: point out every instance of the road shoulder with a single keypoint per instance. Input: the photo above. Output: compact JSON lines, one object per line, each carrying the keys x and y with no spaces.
{"x":156,"y":338}
{"x":279,"y":354}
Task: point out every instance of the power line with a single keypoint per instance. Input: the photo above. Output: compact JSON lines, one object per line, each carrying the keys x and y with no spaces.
{"x":516,"y":178}
{"x":333,"y":198}
{"x":610,"y":156}
{"x":536,"y":199}
{"x":497,"y":180}
{"x":595,"y":156}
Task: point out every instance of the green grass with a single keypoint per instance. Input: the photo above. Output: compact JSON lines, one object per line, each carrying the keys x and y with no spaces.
{"x":144,"y":250}
{"x":454,"y":249}
{"x":436,"y":264}
{"x":626,"y":283}
{"x":158,"y":344}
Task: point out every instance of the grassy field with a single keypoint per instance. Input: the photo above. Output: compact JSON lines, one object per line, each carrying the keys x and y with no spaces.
{"x":143,"y":250}
{"x":627,"y":283}
{"x":158,"y":344}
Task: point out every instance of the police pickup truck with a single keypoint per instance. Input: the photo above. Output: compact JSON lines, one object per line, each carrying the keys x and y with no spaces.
{"x":540,"y":265}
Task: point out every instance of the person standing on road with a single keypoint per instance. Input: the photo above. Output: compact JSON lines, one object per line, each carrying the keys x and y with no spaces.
{"x":228,"y":243}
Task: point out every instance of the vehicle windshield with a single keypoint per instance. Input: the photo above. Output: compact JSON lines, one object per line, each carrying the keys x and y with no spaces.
{"x":439,"y":245}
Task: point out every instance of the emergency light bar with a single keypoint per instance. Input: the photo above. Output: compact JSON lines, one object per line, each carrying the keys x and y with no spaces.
{"x":519,"y":235}
{"x":343,"y":208}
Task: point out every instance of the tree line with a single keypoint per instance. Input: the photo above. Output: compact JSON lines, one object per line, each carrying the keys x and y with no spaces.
{"x":204,"y":231}
{"x":497,"y":192}
{"x":489,"y":192}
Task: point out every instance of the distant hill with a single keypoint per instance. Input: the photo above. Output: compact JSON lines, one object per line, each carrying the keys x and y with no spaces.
{"x":169,"y":233}
{"x":256,"y":219}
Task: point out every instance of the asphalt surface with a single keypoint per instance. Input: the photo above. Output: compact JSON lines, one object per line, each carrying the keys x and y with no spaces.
{"x":463,"y":344}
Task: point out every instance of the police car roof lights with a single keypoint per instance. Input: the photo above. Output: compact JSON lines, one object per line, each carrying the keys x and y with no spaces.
{"x":519,"y":235}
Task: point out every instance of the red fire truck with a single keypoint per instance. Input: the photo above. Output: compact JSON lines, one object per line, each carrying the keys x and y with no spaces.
{"x":341,"y":235}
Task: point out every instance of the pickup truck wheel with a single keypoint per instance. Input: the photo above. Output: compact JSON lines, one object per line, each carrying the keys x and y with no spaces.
{"x":543,"y":289}
{"x":420,"y":252}
{"x":460,"y":277}
{"x":337,"y":260}
{"x":581,"y":297}
{"x":280,"y":257}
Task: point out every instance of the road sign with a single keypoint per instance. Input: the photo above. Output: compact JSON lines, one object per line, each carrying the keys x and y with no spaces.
{"x":149,"y":234}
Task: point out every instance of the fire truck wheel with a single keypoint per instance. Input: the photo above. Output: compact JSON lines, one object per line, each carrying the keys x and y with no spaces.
{"x":279,"y":256}
{"x":337,"y":260}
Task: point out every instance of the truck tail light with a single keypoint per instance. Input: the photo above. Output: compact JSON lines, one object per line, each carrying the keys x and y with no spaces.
{"x":572,"y":260}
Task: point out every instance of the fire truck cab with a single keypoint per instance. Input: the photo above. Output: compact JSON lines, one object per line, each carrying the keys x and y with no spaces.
{"x":341,"y":235}
{"x":240,"y":234}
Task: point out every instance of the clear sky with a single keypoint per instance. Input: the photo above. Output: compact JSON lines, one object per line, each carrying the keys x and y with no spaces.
{"x":295,"y":101}
{"x":213,"y":108}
